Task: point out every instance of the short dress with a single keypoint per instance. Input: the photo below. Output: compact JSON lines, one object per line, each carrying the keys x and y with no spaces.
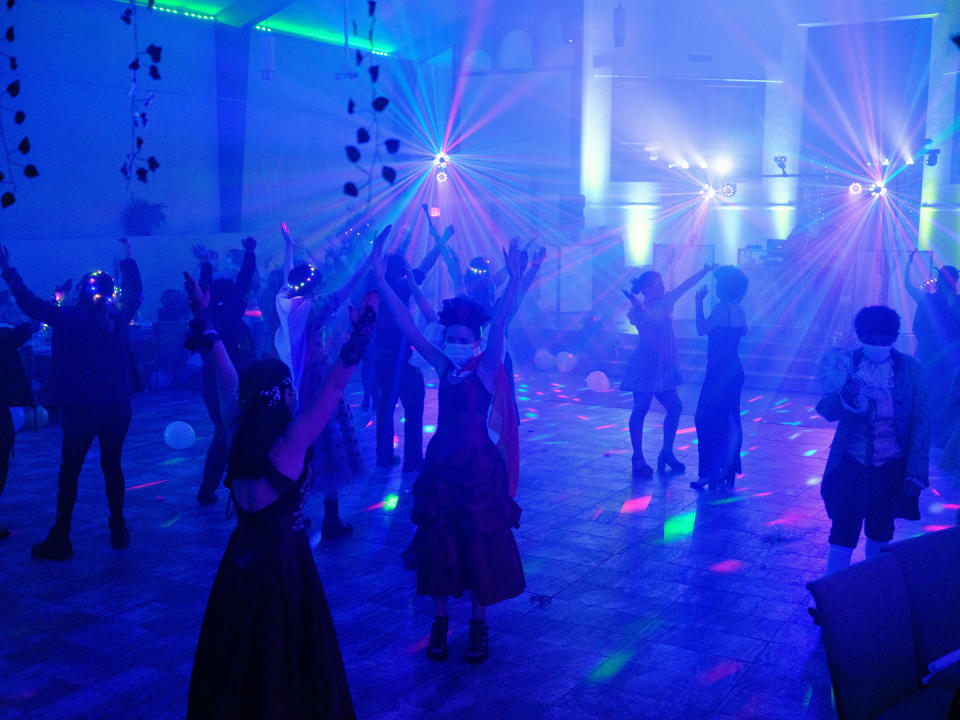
{"x":654,"y":365}
{"x":461,"y":504}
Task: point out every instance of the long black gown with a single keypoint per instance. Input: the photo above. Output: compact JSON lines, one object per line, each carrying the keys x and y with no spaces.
{"x":268,"y":647}
{"x":719,"y":431}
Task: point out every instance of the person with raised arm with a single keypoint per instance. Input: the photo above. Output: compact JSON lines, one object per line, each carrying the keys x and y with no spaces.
{"x":93,"y":376}
{"x":398,"y":379}
{"x":652,"y":369}
{"x":719,"y":431}
{"x":463,"y":500}
{"x":228,"y":306}
{"x":268,"y":647}
{"x":301,"y":342}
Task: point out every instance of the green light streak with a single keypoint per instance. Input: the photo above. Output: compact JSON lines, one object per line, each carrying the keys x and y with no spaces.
{"x":323,"y":35}
{"x":610,"y":667}
{"x":679,"y":526}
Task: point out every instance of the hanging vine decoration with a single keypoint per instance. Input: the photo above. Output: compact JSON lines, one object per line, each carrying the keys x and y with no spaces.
{"x":11,"y":91}
{"x":369,"y":134}
{"x":135,"y":165}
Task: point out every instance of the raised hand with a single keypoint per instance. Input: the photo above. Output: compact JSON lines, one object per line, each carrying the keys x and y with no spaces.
{"x":126,"y":246}
{"x":634,"y":300}
{"x":381,"y":239}
{"x":201,"y":253}
{"x":285,"y":231}
{"x":447,"y":234}
{"x":4,"y":257}
{"x":376,"y":253}
{"x":362,"y":315}
{"x":702,"y":293}
{"x":539,"y":257}
{"x":199,"y":297}
{"x":249,"y":244}
{"x":516,"y":260}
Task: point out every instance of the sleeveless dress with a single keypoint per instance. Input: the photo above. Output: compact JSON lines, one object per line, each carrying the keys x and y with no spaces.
{"x":268,"y":647}
{"x":719,"y":431}
{"x":461,"y":503}
{"x":653,"y":366}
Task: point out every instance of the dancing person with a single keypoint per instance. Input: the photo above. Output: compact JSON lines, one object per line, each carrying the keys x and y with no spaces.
{"x":93,"y":376}
{"x":15,"y":391}
{"x":301,"y":343}
{"x":652,"y":369}
{"x":463,"y":499}
{"x":267,"y":645}
{"x":228,"y":306}
{"x":717,"y":419}
{"x":397,"y":378}
{"x":936,"y":326}
{"x":878,"y":461}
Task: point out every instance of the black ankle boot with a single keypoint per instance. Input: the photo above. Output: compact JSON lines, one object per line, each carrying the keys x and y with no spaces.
{"x":666,"y":458}
{"x":478,"y":643}
{"x":333,"y":527}
{"x":437,"y":647}
{"x":57,"y":546}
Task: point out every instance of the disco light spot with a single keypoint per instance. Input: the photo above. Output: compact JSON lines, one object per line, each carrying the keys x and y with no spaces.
{"x":727,"y":566}
{"x":155,"y":482}
{"x":390,"y":502}
{"x":684,"y":431}
{"x":429,"y":429}
{"x":679,"y":526}
{"x":605,"y":427}
{"x":169,"y":523}
{"x":754,"y":399}
{"x":810,"y":453}
{"x":935,"y":528}
{"x":611,"y":666}
{"x":597,"y":514}
{"x":763,"y":494}
{"x":636,"y":504}
{"x":813,"y":481}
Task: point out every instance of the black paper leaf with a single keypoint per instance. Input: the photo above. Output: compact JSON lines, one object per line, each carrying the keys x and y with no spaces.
{"x":351,"y":106}
{"x":389,"y":174}
{"x":135,"y":65}
{"x":14,"y":88}
{"x":125,"y":171}
{"x":371,"y":7}
{"x":10,"y":4}
{"x":154,"y":52}
{"x":142,"y":174}
{"x":150,"y":4}
{"x":380,"y":103}
{"x":154,"y":73}
{"x":359,"y":57}
{"x":13,"y":63}
{"x":139,"y":143}
{"x":7,"y":200}
{"x":354,"y":27}
{"x":24,"y":146}
{"x":143,"y":119}
{"x":1,"y":177}
{"x":152,"y":163}
{"x":392,"y":145}
{"x":352,"y":153}
{"x":351,"y":189}
{"x":19,"y":117}
{"x":363,"y":136}
{"x":126,"y":16}
{"x":9,"y":34}
{"x":31,"y":171}
{"x":374,"y":72}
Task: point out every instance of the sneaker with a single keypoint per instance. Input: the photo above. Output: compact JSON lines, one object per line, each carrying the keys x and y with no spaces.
{"x":119,"y":533}
{"x":57,"y":546}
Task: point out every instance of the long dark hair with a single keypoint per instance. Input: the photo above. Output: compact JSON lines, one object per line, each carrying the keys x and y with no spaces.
{"x":461,"y":310}
{"x":264,"y":416}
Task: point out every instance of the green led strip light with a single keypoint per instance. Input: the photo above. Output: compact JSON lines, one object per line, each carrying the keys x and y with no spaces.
{"x":328,"y":37}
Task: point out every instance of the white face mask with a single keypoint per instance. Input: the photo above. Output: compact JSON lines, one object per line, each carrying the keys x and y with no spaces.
{"x":458,"y":352}
{"x":876,"y":353}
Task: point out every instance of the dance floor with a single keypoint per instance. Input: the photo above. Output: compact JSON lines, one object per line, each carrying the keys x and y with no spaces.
{"x":644,"y":598}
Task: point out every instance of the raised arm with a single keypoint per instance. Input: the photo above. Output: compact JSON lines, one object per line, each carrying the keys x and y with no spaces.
{"x":525,"y":284}
{"x":703,"y":326}
{"x":308,"y":424}
{"x":440,"y":242}
{"x":428,"y":311}
{"x":204,"y":338}
{"x":912,"y":290}
{"x":247,"y":268}
{"x":677,"y":292}
{"x":401,"y":314}
{"x":43,"y":310}
{"x":131,"y":287}
{"x":452,"y":262}
{"x":287,"y":250}
{"x":516,"y":262}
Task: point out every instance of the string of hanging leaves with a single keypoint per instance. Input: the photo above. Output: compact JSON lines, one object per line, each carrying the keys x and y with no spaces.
{"x":135,"y":164}
{"x":11,"y":157}
{"x":368,"y":135}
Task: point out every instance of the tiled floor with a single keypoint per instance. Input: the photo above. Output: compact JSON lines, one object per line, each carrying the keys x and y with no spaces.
{"x":645,"y":599}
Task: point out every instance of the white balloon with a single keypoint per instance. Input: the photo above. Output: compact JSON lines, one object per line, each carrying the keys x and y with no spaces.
{"x":179,"y":435}
{"x":566,"y":362}
{"x":543,"y":359}
{"x":598,"y":381}
{"x":19,"y":418}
